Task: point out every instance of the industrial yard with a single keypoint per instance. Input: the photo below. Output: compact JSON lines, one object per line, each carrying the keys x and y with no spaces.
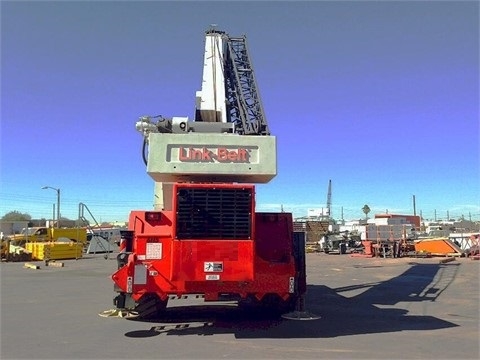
{"x":214,"y":266}
{"x":376,"y":308}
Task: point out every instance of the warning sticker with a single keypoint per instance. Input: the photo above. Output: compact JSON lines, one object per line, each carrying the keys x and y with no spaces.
{"x":291,"y":285}
{"x":154,"y":251}
{"x":213,"y":267}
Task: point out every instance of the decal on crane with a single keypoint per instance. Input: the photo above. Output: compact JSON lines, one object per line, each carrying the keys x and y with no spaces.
{"x":129,"y":284}
{"x":291,"y":285}
{"x":154,"y":251}
{"x":213,"y":267}
{"x":220,"y":154}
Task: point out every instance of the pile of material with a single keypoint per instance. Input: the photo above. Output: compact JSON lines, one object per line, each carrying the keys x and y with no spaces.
{"x":15,"y":253}
{"x":55,"y":250}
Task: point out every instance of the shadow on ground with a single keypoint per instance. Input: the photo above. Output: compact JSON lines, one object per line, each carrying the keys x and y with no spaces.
{"x":340,"y":315}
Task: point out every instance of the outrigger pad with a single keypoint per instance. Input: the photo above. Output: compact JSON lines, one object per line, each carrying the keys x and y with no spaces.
{"x":121,"y":313}
{"x":300,"y":315}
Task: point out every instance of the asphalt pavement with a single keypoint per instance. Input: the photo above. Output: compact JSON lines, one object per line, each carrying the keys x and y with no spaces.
{"x":368,"y":308}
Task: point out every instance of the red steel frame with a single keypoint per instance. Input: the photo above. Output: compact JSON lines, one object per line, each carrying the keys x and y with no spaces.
{"x":249,"y":267}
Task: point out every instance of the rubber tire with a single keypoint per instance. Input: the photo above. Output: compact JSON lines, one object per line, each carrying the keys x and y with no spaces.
{"x":150,"y":306}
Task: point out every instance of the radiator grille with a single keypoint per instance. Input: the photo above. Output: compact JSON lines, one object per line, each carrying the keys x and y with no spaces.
{"x":214,"y":213}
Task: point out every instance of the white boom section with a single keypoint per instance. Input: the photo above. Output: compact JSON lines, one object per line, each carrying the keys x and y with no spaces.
{"x":209,"y":157}
{"x":211,"y":100}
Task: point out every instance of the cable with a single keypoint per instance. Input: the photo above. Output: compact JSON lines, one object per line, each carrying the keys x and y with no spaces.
{"x":144,"y":146}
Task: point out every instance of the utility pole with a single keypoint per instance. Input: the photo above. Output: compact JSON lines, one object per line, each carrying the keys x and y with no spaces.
{"x":422,"y":223}
{"x":58,"y":202}
{"x":414,"y":207}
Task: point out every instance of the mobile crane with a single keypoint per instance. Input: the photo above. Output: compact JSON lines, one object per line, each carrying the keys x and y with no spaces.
{"x":204,"y":237}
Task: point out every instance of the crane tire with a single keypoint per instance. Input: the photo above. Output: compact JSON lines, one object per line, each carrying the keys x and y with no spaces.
{"x":150,"y":306}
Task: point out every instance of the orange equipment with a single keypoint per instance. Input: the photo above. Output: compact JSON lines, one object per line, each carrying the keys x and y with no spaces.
{"x":441,"y":246}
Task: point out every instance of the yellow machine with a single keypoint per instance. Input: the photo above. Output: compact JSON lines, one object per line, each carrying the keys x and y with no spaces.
{"x":46,"y":234}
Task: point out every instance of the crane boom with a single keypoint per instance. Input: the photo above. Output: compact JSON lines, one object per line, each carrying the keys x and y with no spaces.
{"x":329,"y":198}
{"x":229,"y":88}
{"x":211,"y":100}
{"x":245,"y":107}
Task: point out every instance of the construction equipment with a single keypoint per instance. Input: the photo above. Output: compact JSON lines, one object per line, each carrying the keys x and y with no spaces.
{"x":334,"y":242}
{"x":438,"y":247}
{"x":329,"y":199}
{"x":48,"y":234}
{"x":203,"y":237}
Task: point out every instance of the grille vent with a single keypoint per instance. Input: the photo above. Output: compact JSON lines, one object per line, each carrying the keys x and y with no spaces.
{"x":214,"y":213}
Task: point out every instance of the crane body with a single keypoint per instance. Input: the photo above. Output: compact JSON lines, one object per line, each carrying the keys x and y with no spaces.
{"x":204,"y":236}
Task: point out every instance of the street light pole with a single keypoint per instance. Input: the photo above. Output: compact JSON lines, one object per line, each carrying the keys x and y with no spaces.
{"x":58,"y":202}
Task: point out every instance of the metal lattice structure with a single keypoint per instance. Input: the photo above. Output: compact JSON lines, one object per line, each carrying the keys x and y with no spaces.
{"x":244,"y":107}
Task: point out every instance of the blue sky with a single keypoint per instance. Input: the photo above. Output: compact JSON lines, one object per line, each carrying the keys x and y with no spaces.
{"x":381,"y":97}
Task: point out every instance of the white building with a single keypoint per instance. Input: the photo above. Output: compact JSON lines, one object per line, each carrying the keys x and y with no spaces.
{"x":381,"y":229}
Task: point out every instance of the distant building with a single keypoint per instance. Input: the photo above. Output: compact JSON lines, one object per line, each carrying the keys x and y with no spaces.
{"x":444,"y":228}
{"x":383,"y":227}
{"x":396,"y":219}
{"x":318,"y":214}
{"x":12,"y":227}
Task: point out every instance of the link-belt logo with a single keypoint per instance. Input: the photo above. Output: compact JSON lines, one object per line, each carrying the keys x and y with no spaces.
{"x":220,"y":154}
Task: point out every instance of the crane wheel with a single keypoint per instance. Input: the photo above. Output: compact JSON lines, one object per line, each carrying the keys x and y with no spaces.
{"x":150,"y":306}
